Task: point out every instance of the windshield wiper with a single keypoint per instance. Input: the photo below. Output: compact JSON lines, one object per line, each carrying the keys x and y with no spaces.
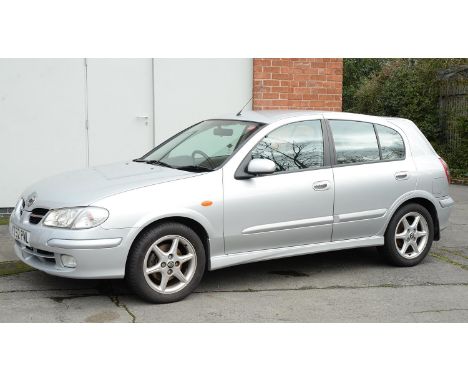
{"x":194,"y":168}
{"x":159,"y":163}
{"x":154,"y":162}
{"x":191,"y":168}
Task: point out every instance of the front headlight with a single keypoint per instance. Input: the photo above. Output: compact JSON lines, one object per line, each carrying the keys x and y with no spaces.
{"x":76,"y":218}
{"x":19,"y":206}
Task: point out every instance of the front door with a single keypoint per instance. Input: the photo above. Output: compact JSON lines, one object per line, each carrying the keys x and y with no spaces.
{"x":293,"y":206}
{"x":120,"y":109}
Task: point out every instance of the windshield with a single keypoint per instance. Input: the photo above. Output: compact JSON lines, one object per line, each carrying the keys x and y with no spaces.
{"x":202,"y":147}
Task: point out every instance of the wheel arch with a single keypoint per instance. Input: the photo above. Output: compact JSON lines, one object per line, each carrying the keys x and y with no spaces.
{"x":196,"y":226}
{"x":429,"y":205}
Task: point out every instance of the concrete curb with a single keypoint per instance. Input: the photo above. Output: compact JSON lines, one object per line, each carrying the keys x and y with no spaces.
{"x":460,"y":181}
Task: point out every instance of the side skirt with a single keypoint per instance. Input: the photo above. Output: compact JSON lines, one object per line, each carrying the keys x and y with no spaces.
{"x":228,"y":260}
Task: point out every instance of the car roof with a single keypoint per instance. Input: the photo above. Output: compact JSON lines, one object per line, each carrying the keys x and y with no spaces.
{"x":271,"y":116}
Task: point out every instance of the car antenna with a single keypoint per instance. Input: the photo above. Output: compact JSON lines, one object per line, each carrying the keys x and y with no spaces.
{"x":241,"y":110}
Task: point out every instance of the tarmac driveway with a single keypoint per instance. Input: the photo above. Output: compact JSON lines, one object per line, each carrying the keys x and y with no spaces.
{"x":343,"y":286}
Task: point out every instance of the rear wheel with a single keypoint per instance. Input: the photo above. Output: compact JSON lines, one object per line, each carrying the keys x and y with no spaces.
{"x":166,"y":263}
{"x":409,"y":236}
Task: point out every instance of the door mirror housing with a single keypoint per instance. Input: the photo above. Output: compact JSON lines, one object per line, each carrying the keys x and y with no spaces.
{"x":261,"y":167}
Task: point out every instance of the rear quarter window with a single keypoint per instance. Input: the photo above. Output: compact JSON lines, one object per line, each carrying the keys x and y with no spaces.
{"x":391,"y":143}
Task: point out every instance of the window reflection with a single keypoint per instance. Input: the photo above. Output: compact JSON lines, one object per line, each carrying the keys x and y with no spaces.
{"x":292,"y":147}
{"x":355,"y":142}
{"x":207,"y":144}
{"x":391,"y":143}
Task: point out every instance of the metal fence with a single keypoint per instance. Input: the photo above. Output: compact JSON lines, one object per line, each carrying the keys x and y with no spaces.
{"x":453,"y":104}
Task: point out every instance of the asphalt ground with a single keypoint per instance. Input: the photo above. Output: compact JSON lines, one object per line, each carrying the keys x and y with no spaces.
{"x":343,"y":286}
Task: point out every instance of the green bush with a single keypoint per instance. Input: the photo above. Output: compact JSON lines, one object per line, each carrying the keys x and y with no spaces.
{"x":357,"y":70}
{"x":407,"y":88}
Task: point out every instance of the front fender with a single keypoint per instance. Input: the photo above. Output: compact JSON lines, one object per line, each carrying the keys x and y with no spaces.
{"x":150,"y":218}
{"x":136,"y":209}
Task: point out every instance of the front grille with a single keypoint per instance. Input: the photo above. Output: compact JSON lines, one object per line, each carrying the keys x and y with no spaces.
{"x":45,"y":257}
{"x":37,"y":214}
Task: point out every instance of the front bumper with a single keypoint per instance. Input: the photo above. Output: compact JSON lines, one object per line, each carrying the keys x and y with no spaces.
{"x":98,"y":252}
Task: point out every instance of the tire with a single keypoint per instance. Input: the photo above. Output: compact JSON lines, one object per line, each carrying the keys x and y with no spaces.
{"x":394,"y":246}
{"x":160,"y":260}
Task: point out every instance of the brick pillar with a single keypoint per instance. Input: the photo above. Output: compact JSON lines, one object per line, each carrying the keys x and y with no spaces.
{"x":297,"y":83}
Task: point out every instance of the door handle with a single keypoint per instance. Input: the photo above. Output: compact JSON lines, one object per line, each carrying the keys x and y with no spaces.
{"x":401,"y":175}
{"x":144,"y":117}
{"x":321,"y":185}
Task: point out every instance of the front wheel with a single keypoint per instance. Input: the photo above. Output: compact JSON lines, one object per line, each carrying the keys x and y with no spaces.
{"x":166,"y":263}
{"x":409,"y":236}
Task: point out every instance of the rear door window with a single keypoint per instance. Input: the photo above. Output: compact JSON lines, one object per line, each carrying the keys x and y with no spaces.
{"x":355,"y":142}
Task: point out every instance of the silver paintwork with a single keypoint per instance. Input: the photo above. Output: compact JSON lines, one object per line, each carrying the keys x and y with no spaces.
{"x":261,"y":218}
{"x":362,"y":215}
{"x":84,"y":244}
{"x":288,"y":225}
{"x":276,"y":253}
{"x":284,"y":200}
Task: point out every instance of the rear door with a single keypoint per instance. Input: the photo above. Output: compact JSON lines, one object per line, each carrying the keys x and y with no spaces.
{"x":372,"y":169}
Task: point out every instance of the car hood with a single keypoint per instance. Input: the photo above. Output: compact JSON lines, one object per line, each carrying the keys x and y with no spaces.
{"x":84,"y":187}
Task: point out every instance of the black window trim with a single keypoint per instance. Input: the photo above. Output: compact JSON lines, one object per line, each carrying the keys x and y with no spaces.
{"x":378,"y":141}
{"x":333,"y":150}
{"x":241,"y":172}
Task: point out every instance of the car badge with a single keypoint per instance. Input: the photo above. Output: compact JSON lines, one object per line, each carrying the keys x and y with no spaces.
{"x":31,"y":199}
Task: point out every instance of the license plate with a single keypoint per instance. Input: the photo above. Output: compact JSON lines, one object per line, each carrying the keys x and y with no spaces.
{"x":20,"y":234}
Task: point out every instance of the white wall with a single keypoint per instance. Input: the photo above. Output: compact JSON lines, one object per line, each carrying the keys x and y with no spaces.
{"x":42,"y":121}
{"x":190,"y":90}
{"x":43,"y":105}
{"x":120,"y":93}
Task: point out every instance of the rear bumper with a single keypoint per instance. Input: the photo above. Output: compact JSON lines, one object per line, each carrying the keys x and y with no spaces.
{"x":443,"y":211}
{"x":446,"y":202}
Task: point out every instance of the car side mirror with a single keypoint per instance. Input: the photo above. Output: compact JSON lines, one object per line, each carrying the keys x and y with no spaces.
{"x":261,"y":167}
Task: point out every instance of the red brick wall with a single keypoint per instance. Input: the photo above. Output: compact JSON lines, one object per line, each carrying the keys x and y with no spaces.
{"x":297,"y":83}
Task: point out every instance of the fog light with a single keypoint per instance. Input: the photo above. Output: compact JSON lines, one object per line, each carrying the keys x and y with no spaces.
{"x":68,"y":261}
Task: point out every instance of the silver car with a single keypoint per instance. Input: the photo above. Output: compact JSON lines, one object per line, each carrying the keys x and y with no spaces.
{"x":251,"y":187}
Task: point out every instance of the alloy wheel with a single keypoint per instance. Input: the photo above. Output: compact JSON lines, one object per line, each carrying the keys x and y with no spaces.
{"x":411,"y":235}
{"x":170,"y":264}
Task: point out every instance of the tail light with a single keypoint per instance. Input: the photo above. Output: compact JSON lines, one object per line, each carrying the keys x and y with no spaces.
{"x":446,"y":169}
